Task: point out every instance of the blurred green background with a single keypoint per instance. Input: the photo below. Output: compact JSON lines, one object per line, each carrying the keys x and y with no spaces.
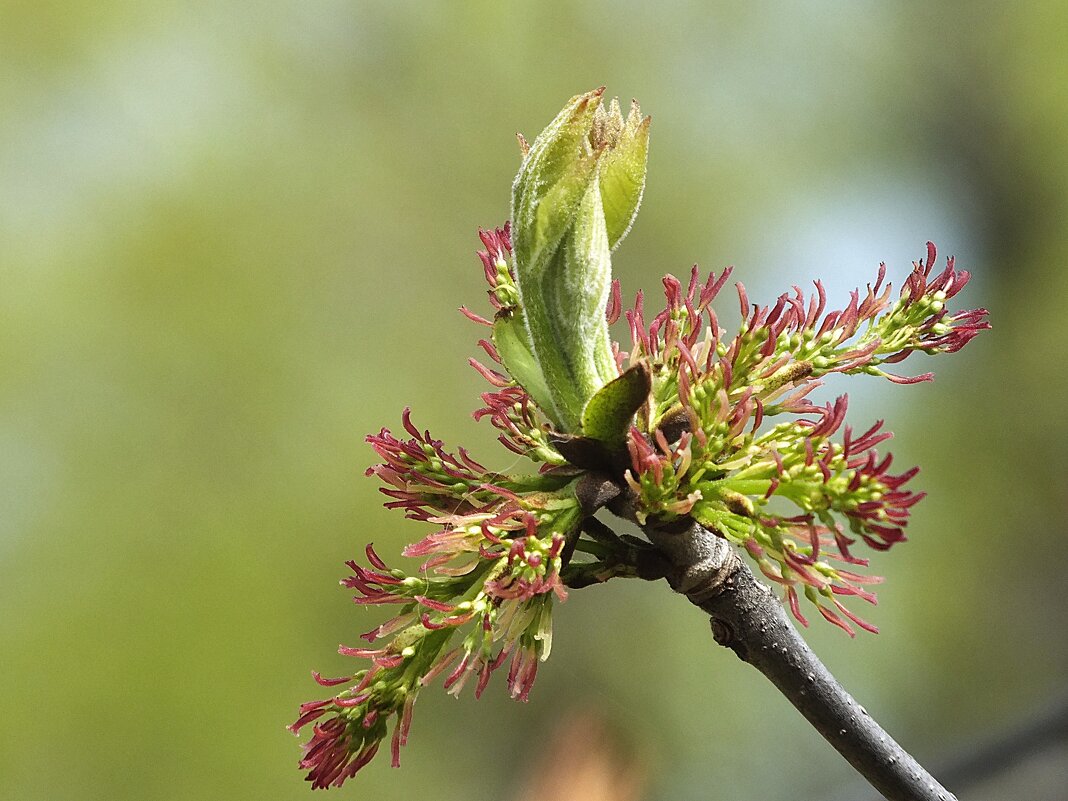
{"x":233,"y":238}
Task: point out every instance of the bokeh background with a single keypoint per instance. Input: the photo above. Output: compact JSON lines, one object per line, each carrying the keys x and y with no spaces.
{"x":233,"y":239}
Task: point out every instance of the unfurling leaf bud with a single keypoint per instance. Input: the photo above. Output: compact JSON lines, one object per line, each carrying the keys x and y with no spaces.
{"x":622,"y":174}
{"x":575,"y":197}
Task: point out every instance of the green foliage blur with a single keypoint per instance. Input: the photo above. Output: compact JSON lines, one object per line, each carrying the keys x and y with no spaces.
{"x":233,"y":239}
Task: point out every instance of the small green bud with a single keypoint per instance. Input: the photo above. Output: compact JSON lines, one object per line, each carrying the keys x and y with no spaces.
{"x":575,"y":197}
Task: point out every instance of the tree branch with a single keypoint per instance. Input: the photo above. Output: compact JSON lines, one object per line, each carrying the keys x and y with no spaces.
{"x":619,"y":557}
{"x":747,"y":618}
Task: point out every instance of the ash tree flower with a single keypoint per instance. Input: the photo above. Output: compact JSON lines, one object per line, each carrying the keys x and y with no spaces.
{"x":680,"y":424}
{"x":481,"y":598}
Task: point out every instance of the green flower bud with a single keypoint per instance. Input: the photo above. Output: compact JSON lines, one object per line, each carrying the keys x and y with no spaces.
{"x":575,"y":197}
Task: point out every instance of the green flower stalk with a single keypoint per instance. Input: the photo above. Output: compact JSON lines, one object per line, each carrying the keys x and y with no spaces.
{"x":682,"y":428}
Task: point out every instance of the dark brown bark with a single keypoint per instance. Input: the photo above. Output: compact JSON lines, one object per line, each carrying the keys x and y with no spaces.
{"x":747,"y":618}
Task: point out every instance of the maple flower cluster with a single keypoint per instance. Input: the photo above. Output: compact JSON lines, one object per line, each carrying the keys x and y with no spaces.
{"x":682,"y":422}
{"x":481,"y":598}
{"x":729,"y":433}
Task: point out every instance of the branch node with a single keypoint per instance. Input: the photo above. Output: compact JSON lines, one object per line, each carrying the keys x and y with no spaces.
{"x":722,"y":633}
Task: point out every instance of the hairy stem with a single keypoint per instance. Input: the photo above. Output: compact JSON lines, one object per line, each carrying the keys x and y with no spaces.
{"x":747,"y":618}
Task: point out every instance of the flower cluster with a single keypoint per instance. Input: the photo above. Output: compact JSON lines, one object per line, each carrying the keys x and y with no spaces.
{"x":681,"y":424}
{"x":713,"y":443}
{"x":489,"y":573}
{"x":727,"y":436}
